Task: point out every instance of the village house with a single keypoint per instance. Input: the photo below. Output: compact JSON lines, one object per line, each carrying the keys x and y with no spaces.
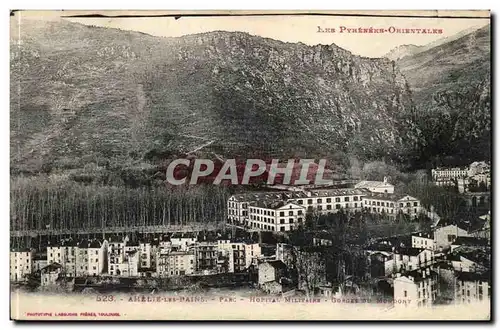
{"x":418,"y":288}
{"x":376,"y":186}
{"x":123,"y":257}
{"x":21,"y":264}
{"x":407,"y":259}
{"x":244,"y":253}
{"x":472,"y":287}
{"x":446,"y":234}
{"x":423,"y":241}
{"x":91,"y":258}
{"x":473,"y":261}
{"x":284,"y":252}
{"x":65,"y":254}
{"x":206,"y":254}
{"x":381,"y":263}
{"x":50,"y":274}
{"x":183,"y":241}
{"x":322,"y":238}
{"x":175,"y":263}
{"x":39,"y":261}
{"x":146,"y":252}
{"x":271,"y":271}
{"x":275,"y":216}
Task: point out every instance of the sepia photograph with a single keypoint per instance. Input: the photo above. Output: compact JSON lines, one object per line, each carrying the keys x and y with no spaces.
{"x":250,"y":165}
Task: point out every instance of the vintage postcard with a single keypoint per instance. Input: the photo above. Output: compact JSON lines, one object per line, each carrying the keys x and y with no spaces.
{"x":256,"y":165}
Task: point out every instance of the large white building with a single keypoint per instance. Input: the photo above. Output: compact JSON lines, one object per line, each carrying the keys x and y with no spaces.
{"x":91,"y":258}
{"x":21,"y":263}
{"x":244,"y":253}
{"x":275,"y":216}
{"x":392,"y":204}
{"x":237,"y":205}
{"x":449,"y":173}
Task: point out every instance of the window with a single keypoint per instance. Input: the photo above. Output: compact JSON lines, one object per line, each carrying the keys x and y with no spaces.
{"x":328,"y":200}
{"x":337,"y":206}
{"x":319,"y":201}
{"x":346,"y":199}
{"x":282,"y":228}
{"x":415,"y":203}
{"x":290,"y":213}
{"x":355,"y":198}
{"x":299,"y":212}
{"x":300,"y":202}
{"x":337,"y":199}
{"x":451,"y":238}
{"x":405,"y":293}
{"x":328,"y":207}
{"x":290,"y":220}
{"x":282,"y":214}
{"x":320,"y":207}
{"x":309,"y":201}
{"x":282,"y":221}
{"x":355,"y":204}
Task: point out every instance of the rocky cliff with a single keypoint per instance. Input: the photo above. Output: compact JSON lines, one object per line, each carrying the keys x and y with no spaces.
{"x":81,"y":94}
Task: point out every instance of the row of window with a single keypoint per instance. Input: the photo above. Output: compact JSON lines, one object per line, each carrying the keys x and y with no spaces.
{"x":328,"y":200}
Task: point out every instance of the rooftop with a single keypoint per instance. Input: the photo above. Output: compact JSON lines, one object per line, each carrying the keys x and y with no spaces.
{"x":470,"y":241}
{"x":269,"y":196}
{"x":373,"y":184}
{"x":337,"y":192}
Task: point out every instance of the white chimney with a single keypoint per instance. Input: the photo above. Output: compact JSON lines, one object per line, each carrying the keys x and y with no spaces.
{"x":385,"y":179}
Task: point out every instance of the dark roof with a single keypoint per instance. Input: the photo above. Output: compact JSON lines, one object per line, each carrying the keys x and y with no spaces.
{"x":95,"y":244}
{"x":51,"y":267}
{"x":278,"y":264}
{"x":470,"y":241}
{"x":472,"y":277}
{"x":269,"y":204}
{"x":132,"y":243}
{"x":183,"y":235}
{"x":379,"y":247}
{"x":40,"y":256}
{"x":69,"y":242}
{"x":409,"y":251}
{"x":20,"y":250}
{"x":83,"y":244}
{"x":116,"y":239}
{"x":418,"y":274}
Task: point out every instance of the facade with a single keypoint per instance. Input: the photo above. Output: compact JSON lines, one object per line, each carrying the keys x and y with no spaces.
{"x":275,"y":216}
{"x":472,"y":287}
{"x":418,"y":288}
{"x":50,"y":274}
{"x":206,"y":254}
{"x":65,"y":254}
{"x":243,"y":253}
{"x":183,"y":241}
{"x":449,"y":173}
{"x":271,"y":271}
{"x":445,"y":235}
{"x":175,"y":263}
{"x":238,"y":205}
{"x":383,"y":187}
{"x":408,"y":259}
{"x":423,"y":241}
{"x":326,"y":201}
{"x":392,"y":204}
{"x":21,"y":264}
{"x":123,"y":257}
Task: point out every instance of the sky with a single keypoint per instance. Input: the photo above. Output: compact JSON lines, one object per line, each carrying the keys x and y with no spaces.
{"x":294,"y":28}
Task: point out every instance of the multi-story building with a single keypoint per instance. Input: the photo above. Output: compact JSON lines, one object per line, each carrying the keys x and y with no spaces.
{"x":376,"y":186}
{"x":65,"y":254}
{"x":326,"y":201}
{"x":472,"y":287}
{"x":21,"y":264}
{"x":183,"y":241}
{"x":50,"y":274}
{"x":275,"y":216}
{"x":91,"y":258}
{"x":407,"y":259}
{"x":392,"y":204}
{"x":446,"y":234}
{"x":206,"y":254}
{"x":123,"y":257}
{"x":417,"y":288}
{"x":146,"y":251}
{"x":450,"y":173}
{"x":175,"y":263}
{"x":237,"y":205}
{"x":423,"y":241}
{"x":244,"y":253}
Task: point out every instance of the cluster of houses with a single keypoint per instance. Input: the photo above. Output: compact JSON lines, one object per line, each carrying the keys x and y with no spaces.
{"x":285,"y":210}
{"x":450,"y":264}
{"x":477,"y":174}
{"x":119,"y":256}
